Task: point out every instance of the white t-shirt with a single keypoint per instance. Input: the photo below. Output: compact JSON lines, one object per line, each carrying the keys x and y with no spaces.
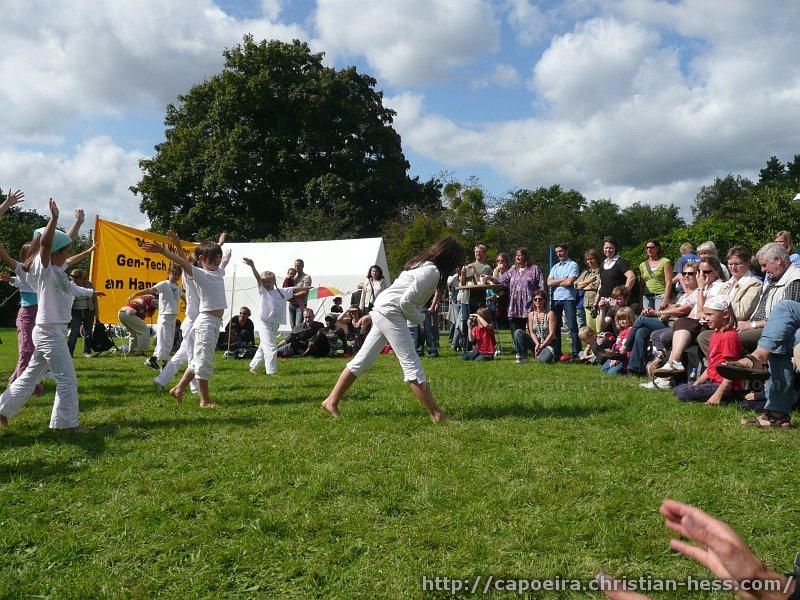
{"x":168,"y":295}
{"x":192,"y":299}
{"x":56,"y":293}
{"x":409,"y":293}
{"x":210,"y":288}
{"x":273,"y":304}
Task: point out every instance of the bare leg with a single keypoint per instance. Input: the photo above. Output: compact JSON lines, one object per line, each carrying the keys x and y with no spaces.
{"x":180,"y":388}
{"x":3,"y":421}
{"x":423,"y":393}
{"x":205,"y":397}
{"x":680,"y":339}
{"x":331,"y":403}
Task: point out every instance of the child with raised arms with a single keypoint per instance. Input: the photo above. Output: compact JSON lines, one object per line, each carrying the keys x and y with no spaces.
{"x":271,"y":316}
{"x":55,"y":292}
{"x":209,"y":279}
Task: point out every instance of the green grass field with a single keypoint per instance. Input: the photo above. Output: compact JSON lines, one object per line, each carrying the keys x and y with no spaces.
{"x":553,"y":471}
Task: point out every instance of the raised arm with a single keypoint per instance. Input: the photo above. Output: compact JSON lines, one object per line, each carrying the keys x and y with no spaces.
{"x":173,"y":237}
{"x":249,"y":262}
{"x":48,"y":234}
{"x":73,"y":260}
{"x":157,"y":248}
{"x":12,"y":198}
{"x":226,"y":257}
{"x":6,"y":258}
{"x":148,"y":292}
{"x":76,"y":226}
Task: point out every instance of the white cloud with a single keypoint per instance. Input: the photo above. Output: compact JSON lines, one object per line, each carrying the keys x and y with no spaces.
{"x":409,"y":42}
{"x":529,"y":22}
{"x":95,"y":177}
{"x":98,"y":58}
{"x":502,"y":75}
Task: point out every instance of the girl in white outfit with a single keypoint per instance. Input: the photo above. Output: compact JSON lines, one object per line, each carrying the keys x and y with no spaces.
{"x":272,"y":316}
{"x":184,"y":353}
{"x":400,"y":302}
{"x":46,"y":275}
{"x":209,"y":279}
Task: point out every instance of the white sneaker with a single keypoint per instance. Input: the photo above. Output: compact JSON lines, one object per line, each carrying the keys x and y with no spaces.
{"x":521,"y":360}
{"x":659,"y":383}
{"x":673,"y":366}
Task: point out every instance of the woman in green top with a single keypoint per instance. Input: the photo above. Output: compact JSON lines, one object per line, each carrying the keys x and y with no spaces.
{"x":656,"y":271}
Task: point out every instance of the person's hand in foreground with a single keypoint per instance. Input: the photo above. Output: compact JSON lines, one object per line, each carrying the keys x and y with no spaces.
{"x":718,"y":548}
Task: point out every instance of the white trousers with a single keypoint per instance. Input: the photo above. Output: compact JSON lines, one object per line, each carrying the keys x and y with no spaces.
{"x":51,"y":352}
{"x":390,"y":328}
{"x":181,"y":357}
{"x":140,"y":333}
{"x":206,"y":334}
{"x":165,"y":338}
{"x":267,"y":347}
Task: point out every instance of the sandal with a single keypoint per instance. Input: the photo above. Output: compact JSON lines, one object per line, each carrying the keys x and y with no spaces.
{"x":769,"y":420}
{"x":735,"y":370}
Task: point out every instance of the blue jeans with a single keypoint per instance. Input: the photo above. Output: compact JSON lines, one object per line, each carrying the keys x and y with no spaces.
{"x":523,"y":343}
{"x":566,"y":308}
{"x":475,"y":355}
{"x":637,"y":341}
{"x":431,"y":335}
{"x":779,"y":337}
{"x":607,"y":367}
{"x":652,"y":300}
{"x":295,"y":315}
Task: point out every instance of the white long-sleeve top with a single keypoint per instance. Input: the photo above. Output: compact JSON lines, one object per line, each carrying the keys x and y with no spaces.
{"x":409,"y":293}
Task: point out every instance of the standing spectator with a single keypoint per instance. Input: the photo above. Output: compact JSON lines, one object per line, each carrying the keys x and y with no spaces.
{"x":84,"y":311}
{"x":373,"y":285}
{"x":589,"y":283}
{"x":298,"y":301}
{"x":501,"y":297}
{"x":656,"y":274}
{"x":522,"y":280}
{"x":479,"y":268}
{"x":687,"y":255}
{"x":614,"y":272}
{"x":454,"y":310}
{"x":561,"y":281}
{"x":784,"y":238}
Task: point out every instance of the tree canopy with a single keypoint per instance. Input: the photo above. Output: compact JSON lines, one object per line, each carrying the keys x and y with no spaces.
{"x":278,"y":146}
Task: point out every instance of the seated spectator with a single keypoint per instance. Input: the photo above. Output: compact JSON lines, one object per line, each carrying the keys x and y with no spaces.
{"x":306,"y":339}
{"x":686,"y":329}
{"x":588,"y":338}
{"x":624,"y":320}
{"x":481,"y":334}
{"x":710,"y":386}
{"x":741,"y":291}
{"x":687,"y":255}
{"x":610,"y":306}
{"x":337,"y":305}
{"x":784,"y":238}
{"x":240,"y":330}
{"x":353,"y":324}
{"x":653,"y":325}
{"x":709,"y":250}
{"x":783,"y":284}
{"x":539,"y":334}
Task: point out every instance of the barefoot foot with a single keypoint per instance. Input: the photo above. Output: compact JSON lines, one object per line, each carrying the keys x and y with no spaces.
{"x":443,"y":418}
{"x":254,"y":371}
{"x":177,"y":393}
{"x":79,"y":429}
{"x":207,"y":405}
{"x":331,"y":407}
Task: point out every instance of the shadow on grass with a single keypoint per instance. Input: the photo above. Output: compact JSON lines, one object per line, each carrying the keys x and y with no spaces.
{"x":534,"y":411}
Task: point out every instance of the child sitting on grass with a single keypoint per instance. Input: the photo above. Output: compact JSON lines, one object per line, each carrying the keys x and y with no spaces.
{"x":588,"y":337}
{"x":624,"y":322}
{"x":481,"y":334}
{"x":724,"y":345}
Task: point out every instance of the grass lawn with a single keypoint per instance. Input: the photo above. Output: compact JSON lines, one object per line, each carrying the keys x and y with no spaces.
{"x":553,"y":471}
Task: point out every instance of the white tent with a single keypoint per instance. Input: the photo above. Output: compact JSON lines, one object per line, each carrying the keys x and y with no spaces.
{"x":341,"y":264}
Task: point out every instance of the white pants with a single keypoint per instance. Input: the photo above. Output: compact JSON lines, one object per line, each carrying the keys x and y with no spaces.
{"x":51,"y":351}
{"x":181,"y":357}
{"x":206,"y":334}
{"x":267,"y":347}
{"x":165,"y":338}
{"x":140,"y":332}
{"x":390,"y":328}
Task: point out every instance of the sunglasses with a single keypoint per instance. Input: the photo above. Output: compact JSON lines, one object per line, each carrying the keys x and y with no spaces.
{"x":704,"y":272}
{"x":538,"y":299}
{"x":688,"y":273}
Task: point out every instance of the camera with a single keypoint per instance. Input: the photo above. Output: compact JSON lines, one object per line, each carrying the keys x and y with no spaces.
{"x":473,"y":318}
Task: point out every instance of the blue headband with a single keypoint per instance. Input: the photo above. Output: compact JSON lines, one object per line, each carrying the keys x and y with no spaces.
{"x":60,"y":241}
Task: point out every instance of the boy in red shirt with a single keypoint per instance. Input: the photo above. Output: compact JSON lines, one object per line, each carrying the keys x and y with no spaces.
{"x":724,"y":345}
{"x":481,"y":334}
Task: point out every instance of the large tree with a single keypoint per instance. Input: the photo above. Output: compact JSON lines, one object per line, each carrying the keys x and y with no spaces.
{"x":711,"y":197}
{"x":279,"y":146}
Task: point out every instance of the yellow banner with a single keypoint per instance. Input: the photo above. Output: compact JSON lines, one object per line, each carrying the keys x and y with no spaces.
{"x":121,"y":267}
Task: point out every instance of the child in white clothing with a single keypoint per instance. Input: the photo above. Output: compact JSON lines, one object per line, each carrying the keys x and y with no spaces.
{"x":169,"y":295}
{"x":46,"y":275}
{"x":209,"y":279}
{"x":272,"y":316}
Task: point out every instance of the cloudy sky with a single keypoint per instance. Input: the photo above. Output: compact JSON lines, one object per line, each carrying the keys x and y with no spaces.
{"x":623,"y":99}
